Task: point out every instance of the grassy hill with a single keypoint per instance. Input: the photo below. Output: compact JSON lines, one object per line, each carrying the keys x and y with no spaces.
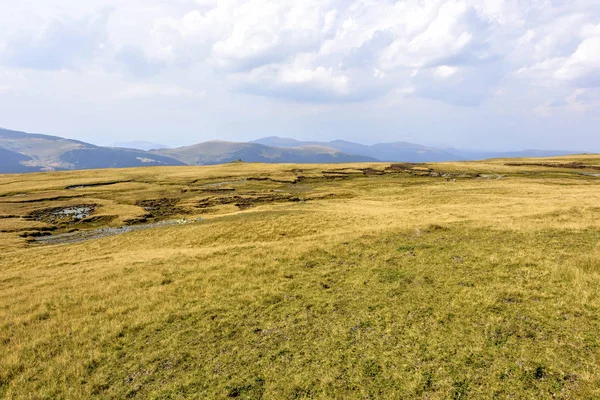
{"x":410,"y":152}
{"x":397,"y":151}
{"x":25,"y":152}
{"x":217,"y":152}
{"x":372,"y":280}
{"x":35,"y":152}
{"x":13,"y":162}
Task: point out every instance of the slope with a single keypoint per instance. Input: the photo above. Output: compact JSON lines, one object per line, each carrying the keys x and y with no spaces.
{"x":411,"y":152}
{"x":12,"y":162}
{"x":397,"y":151}
{"x":45,"y":152}
{"x":216,"y":152}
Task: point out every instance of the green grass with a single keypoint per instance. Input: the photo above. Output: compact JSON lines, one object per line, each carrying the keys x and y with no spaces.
{"x":397,"y":286}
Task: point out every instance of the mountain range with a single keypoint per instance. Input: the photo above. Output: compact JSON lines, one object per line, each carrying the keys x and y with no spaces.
{"x":410,"y":152}
{"x":140,"y":145}
{"x":25,"y":152}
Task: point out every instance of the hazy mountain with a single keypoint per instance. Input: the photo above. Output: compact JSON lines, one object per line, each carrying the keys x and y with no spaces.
{"x":410,"y":152}
{"x":109,"y":157}
{"x":141,"y":145}
{"x":398,"y":151}
{"x":11,"y":162}
{"x":215,"y":152}
{"x":25,"y":152}
{"x":482,"y":154}
{"x":36,"y":152}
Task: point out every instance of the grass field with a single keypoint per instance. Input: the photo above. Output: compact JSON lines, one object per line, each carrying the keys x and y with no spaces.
{"x":450,"y":280}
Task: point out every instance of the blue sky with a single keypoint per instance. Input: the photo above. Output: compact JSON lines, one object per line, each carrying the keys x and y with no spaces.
{"x":486,"y":74}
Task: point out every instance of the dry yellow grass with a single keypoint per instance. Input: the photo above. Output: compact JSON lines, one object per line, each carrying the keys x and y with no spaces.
{"x":400,"y":285}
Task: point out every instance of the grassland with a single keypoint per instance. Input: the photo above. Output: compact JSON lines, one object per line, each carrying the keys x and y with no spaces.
{"x":450,"y":280}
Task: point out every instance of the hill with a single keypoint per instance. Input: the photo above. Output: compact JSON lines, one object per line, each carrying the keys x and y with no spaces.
{"x":140,"y":145}
{"x":25,"y":152}
{"x":218,"y":152}
{"x":45,"y":152}
{"x":398,"y":151}
{"x":349,"y":281}
{"x":410,"y":152}
{"x":12,"y":162}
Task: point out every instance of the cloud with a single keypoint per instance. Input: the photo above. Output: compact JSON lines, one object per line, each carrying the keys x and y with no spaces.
{"x":342,"y":44}
{"x":263,"y":32}
{"x":583,"y":66}
{"x":580,"y":68}
{"x":139,"y":91}
{"x":138,"y":63}
{"x":459,"y":52}
{"x":295,"y":82}
{"x":465,"y":86}
{"x":60,"y":43}
{"x":445,"y":71}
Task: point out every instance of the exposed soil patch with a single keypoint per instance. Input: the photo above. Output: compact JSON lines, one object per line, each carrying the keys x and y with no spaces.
{"x":244,"y":202}
{"x":336,"y":175}
{"x":88,"y":185}
{"x":406,"y":168}
{"x":38,"y":232}
{"x":371,"y":171}
{"x":209,"y":190}
{"x":100,"y":219}
{"x":571,"y":165}
{"x":81,"y":236}
{"x":63,"y":215}
{"x":330,"y":196}
{"x":5,"y":195}
{"x":218,"y":184}
{"x":248,"y":201}
{"x":272,"y":180}
{"x":338,"y":172}
{"x":401,"y":167}
{"x":161,"y":207}
{"x":42,"y":199}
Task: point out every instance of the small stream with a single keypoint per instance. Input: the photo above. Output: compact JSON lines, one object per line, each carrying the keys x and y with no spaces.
{"x":81,"y":236}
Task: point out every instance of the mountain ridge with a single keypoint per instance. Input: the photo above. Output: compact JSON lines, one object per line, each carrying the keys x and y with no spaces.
{"x":22,"y":152}
{"x":411,"y":152}
{"x":217,"y":151}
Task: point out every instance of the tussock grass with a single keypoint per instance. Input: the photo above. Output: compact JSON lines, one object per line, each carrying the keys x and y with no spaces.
{"x":372,"y":286}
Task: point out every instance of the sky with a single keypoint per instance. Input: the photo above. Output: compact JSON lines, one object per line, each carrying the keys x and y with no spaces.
{"x":476,"y":74}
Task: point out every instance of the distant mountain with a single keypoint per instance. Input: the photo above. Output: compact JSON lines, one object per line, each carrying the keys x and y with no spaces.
{"x":410,"y":152}
{"x":398,"y":151}
{"x":140,"y":145}
{"x":483,"y":155}
{"x":216,"y":152}
{"x":11,"y":162}
{"x":27,"y":152}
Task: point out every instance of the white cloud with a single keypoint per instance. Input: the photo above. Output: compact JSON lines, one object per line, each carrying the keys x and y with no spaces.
{"x":580,"y":68}
{"x":537,"y":53}
{"x":58,"y":43}
{"x":297,"y":81}
{"x":445,"y":71}
{"x":583,"y":66}
{"x":344,"y":49}
{"x":147,"y":90}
